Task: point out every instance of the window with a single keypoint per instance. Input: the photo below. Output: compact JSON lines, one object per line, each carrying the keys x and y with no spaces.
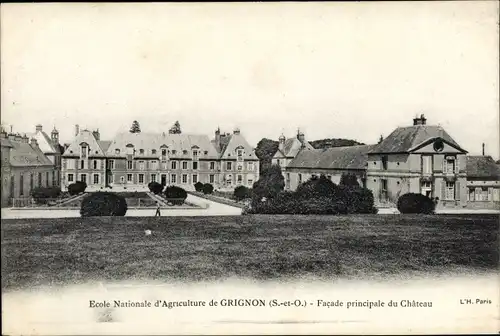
{"x":122,"y":179}
{"x":426,"y":164}
{"x":250,"y":182}
{"x":141,"y":151}
{"x":384,"y":162}
{"x":130,"y":149}
{"x":117,"y":151}
{"x":383,"y":185}
{"x":229,"y":165}
{"x":174,"y":151}
{"x":96,"y":178}
{"x":250,"y":166}
{"x":184,"y":165}
{"x":129,"y":177}
{"x":173,"y":178}
{"x":111,"y":178}
{"x":450,"y":165}
{"x":70,"y":177}
{"x":111,"y":164}
{"x":211,"y":178}
{"x":184,"y":178}
{"x":84,"y":151}
{"x":174,"y":165}
{"x":95,"y":164}
{"x":47,"y":178}
{"x":195,"y":155}
{"x":39,"y":180}
{"x":239,"y":167}
{"x":195,"y":178}
{"x":212,"y":165}
{"x":141,"y":165}
{"x":239,"y":179}
{"x":184,"y":152}
{"x":329,"y":177}
{"x":163,"y":152}
{"x":154,"y":165}
{"x":21,"y":185}
{"x":130,"y":164}
{"x":83,"y":178}
{"x":82,"y":164}
{"x":300,"y":178}
{"x":195,"y":165}
{"x":64,"y":163}
{"x":450,"y":191}
{"x":153,"y":178}
{"x":54,"y":181}
{"x":205,"y":152}
{"x":141,"y":178}
{"x":153,"y":151}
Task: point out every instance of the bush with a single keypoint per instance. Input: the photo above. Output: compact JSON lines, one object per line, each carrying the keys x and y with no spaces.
{"x":155,"y":187}
{"x":270,"y":183}
{"x":43,"y":195}
{"x":241,"y":192}
{"x":77,"y":188}
{"x":356,"y":200}
{"x":413,"y":203}
{"x":103,"y":204}
{"x":198,"y":186}
{"x":316,"y":187}
{"x":208,"y":189}
{"x":175,"y":195}
{"x":349,"y":180}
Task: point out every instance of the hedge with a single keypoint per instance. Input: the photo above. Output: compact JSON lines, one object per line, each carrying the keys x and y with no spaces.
{"x":413,"y":203}
{"x":103,"y":204}
{"x":241,"y":193}
{"x":175,"y":195}
{"x":155,"y":187}
{"x":42,"y":195}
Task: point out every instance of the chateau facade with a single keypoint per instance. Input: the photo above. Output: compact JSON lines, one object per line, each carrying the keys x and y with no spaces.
{"x":419,"y":159}
{"x":132,"y":160}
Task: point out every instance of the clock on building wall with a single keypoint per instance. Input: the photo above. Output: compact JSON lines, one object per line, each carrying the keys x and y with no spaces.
{"x":438,"y":145}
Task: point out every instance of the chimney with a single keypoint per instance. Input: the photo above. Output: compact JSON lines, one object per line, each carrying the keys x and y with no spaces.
{"x":77,"y":130}
{"x":54,"y":136}
{"x":236,"y":131}
{"x":26,"y":139}
{"x":419,"y":121}
{"x":12,"y":137}
{"x":281,"y":142}
{"x":96,"y":134}
{"x":34,"y":143}
{"x":19,"y":138}
{"x":38,"y":128}
{"x":3,"y":134}
{"x":301,"y":137}
{"x":217,"y":138}
{"x":483,"y":148}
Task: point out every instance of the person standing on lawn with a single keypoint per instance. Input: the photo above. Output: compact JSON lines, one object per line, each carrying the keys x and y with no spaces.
{"x":158,"y":209}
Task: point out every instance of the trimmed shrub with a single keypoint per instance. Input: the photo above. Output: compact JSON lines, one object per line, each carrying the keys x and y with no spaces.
{"x":155,"y":187}
{"x":355,"y":200}
{"x":175,"y":195}
{"x":208,"y":189}
{"x":103,"y":204}
{"x":316,"y":187}
{"x":43,"y":194}
{"x":77,"y":188}
{"x":198,"y":186}
{"x":241,"y":192}
{"x":413,"y":203}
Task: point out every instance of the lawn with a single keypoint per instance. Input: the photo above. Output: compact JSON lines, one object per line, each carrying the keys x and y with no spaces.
{"x":77,"y":250}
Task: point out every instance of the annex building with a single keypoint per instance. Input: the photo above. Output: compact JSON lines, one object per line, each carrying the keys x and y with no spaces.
{"x":419,"y":158}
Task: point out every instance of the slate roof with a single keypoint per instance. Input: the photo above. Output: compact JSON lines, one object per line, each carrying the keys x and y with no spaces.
{"x":104,"y":144}
{"x":404,"y":139}
{"x":235,"y":141}
{"x":350,"y":157}
{"x":150,"y":141}
{"x":44,"y":141}
{"x":291,"y":147}
{"x":88,"y":137}
{"x":23,"y":155}
{"x":482,"y":167}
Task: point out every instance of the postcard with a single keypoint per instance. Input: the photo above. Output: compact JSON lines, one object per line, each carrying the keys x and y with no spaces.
{"x":250,"y":168}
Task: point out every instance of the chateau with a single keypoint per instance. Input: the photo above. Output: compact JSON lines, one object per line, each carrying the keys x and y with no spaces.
{"x":419,"y":158}
{"x":132,"y":160}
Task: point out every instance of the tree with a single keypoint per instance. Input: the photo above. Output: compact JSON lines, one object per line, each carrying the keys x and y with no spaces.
{"x":270,"y":184}
{"x":265,"y":150}
{"x":350,"y":180}
{"x":176,"y":128}
{"x":334,"y":142}
{"x":135,"y":128}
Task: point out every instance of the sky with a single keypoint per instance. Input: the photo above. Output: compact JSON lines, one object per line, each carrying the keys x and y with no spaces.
{"x":334,"y":70}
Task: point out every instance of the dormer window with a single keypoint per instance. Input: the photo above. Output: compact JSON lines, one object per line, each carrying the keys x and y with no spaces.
{"x":184,"y":152}
{"x":163,"y":152}
{"x":130,"y":149}
{"x":141,"y":151}
{"x":195,"y":154}
{"x":205,"y":152}
{"x":117,"y":151}
{"x":84,"y":150}
{"x":174,"y":151}
{"x":153,"y":151}
{"x":239,"y":152}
